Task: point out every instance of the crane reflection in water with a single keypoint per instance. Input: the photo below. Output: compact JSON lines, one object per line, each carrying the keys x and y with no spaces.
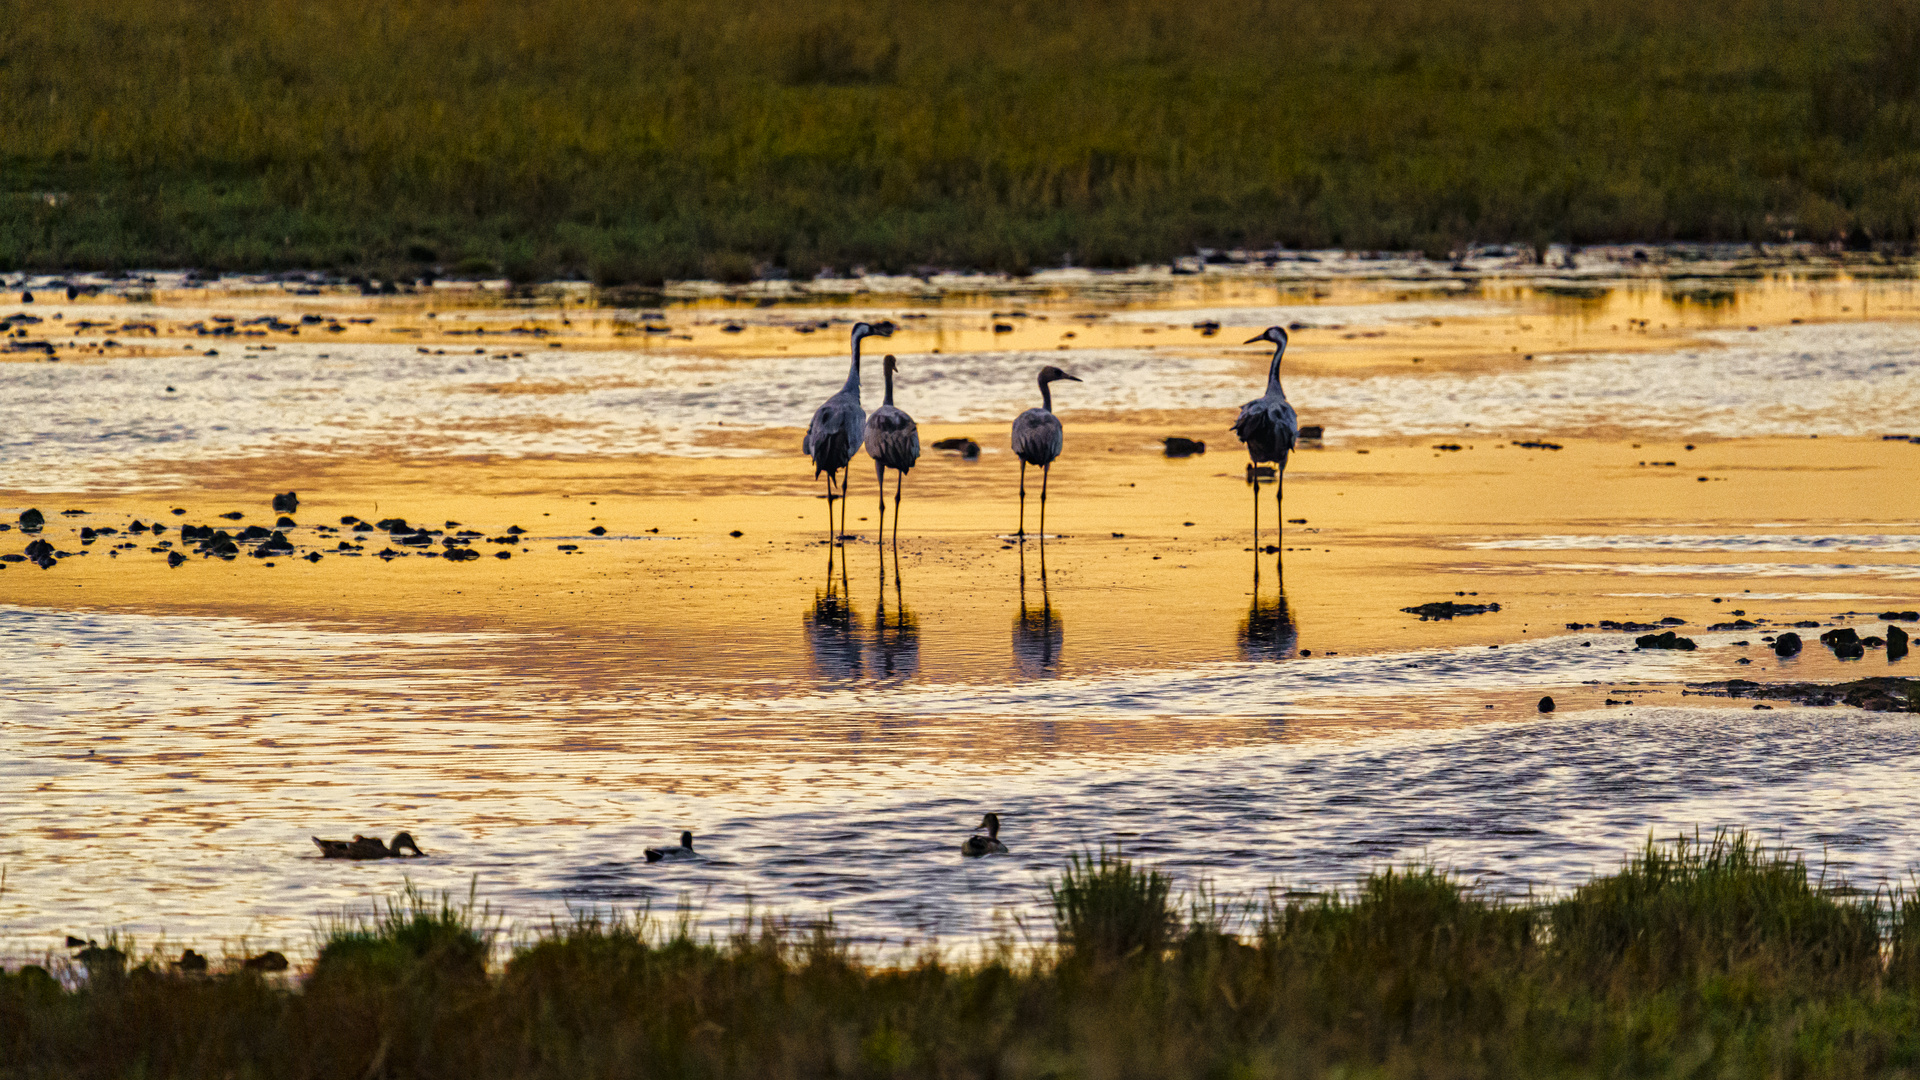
{"x":1268,"y":632}
{"x":896,"y":633}
{"x":846,"y":650}
{"x":1036,"y":630}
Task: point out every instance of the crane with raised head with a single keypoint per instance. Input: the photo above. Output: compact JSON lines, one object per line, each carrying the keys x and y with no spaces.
{"x":839,"y":426}
{"x":1038,"y":438}
{"x":1269,"y":427}
{"x":893,"y":442}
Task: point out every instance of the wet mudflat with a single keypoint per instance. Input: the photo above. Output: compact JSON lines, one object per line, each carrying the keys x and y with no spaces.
{"x":830,"y":720}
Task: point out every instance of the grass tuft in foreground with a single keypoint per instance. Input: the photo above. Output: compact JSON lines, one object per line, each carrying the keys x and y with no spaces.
{"x":1712,"y":956}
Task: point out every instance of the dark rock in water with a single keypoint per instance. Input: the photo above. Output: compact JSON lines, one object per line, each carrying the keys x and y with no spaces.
{"x":1447,"y":609}
{"x":1628,"y":627}
{"x":1179,"y":447}
{"x":233,"y":515}
{"x":1546,"y":704}
{"x":362,"y":527}
{"x":40,"y":554}
{"x":349,"y":519}
{"x":174,"y":558}
{"x":1896,"y":643}
{"x":736,"y":534}
{"x":1737,"y":624}
{"x":86,"y":533}
{"x":196,"y":532}
{"x":1311,"y":431}
{"x":254,"y":532}
{"x":1845,"y":643}
{"x":961,"y":445}
{"x":503,"y":554}
{"x":137,"y":526}
{"x":178,"y":511}
{"x":286,"y":504}
{"x":286,"y":523}
{"x":1881,"y":693}
{"x":32,"y":520}
{"x":1808,"y":624}
{"x":461,"y":554}
{"x":393,"y":525}
{"x":598,"y":530}
{"x":389,"y":554}
{"x":278,"y":544}
{"x":515,"y":530}
{"x":416,"y":539}
{"x":266,"y":961}
{"x":344,"y":546}
{"x":1849,"y":650}
{"x":1667,"y":640}
{"x":569,"y":547}
{"x":1671,"y":621}
{"x":1787,"y":644}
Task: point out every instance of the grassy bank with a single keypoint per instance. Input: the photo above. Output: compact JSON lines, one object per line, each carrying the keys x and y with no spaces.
{"x":1703,"y":959}
{"x":632,"y":142}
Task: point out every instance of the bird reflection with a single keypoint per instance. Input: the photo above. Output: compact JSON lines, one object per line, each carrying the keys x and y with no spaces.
{"x":896,"y":632}
{"x":833,"y":631}
{"x":1036,"y":632}
{"x":1268,"y":633}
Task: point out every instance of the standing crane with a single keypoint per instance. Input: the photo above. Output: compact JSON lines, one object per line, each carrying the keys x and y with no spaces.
{"x":1268,"y":426}
{"x":893,"y":442}
{"x":838,"y":428}
{"x":1037,"y":438}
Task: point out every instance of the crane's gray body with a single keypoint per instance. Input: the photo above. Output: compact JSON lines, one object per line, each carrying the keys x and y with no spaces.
{"x":839,"y":426}
{"x":1038,"y":437}
{"x":1267,"y":424}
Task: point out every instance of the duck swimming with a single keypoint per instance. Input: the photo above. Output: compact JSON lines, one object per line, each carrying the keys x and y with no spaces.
{"x":989,"y":844}
{"x":367,"y":847}
{"x":684,"y":851}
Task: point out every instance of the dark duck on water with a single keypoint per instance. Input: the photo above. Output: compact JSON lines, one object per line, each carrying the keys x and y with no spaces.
{"x":368,"y":847}
{"x":684,"y":851}
{"x":976,"y":846}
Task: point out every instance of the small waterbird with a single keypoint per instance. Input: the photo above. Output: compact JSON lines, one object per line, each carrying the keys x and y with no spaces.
{"x":367,"y":847}
{"x":839,"y":426}
{"x":1268,"y":426}
{"x":684,"y":851}
{"x":1038,"y":439}
{"x":976,"y":846}
{"x":893,"y":442}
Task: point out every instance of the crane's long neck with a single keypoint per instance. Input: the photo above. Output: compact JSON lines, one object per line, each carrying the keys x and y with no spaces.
{"x":1046,"y":396}
{"x":1273,"y":373}
{"x":889,"y":386}
{"x":853,"y":372}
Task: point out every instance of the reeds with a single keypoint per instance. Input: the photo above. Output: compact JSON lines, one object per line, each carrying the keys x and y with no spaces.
{"x":632,"y":142}
{"x":1715,"y":956}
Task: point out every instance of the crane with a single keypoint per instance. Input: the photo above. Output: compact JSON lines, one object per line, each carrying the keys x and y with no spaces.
{"x":1268,"y":426}
{"x":893,"y":442}
{"x":1037,"y":438}
{"x":839,"y":425}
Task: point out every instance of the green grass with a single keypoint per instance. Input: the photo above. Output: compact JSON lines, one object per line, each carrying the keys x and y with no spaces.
{"x":1699,"y":957}
{"x":632,"y":142}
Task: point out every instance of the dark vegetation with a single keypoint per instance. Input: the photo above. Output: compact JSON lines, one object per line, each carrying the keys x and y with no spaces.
{"x":633,"y":142}
{"x":1698,"y":958}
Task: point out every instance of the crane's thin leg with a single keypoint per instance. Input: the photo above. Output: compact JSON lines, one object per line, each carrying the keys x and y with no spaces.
{"x":880,"y":480}
{"x":846,"y":494}
{"x":898,"y":482}
{"x":830,"y":499}
{"x":1023,"y":500}
{"x":1044,"y":471}
{"x":1255,"y":477}
{"x":1279,"y":509}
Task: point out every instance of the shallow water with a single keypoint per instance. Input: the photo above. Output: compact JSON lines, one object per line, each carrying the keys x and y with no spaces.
{"x":172,"y":738}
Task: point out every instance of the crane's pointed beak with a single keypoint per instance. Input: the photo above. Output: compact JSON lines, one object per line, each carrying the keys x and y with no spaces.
{"x":1254,"y":341}
{"x":1074,"y":378}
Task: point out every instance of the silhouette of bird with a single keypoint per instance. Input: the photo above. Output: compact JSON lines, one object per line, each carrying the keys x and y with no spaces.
{"x":367,"y":847}
{"x":893,"y":441}
{"x":976,"y":846}
{"x":1268,"y":426}
{"x":839,"y":426}
{"x":684,"y":851}
{"x":1037,"y":438}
